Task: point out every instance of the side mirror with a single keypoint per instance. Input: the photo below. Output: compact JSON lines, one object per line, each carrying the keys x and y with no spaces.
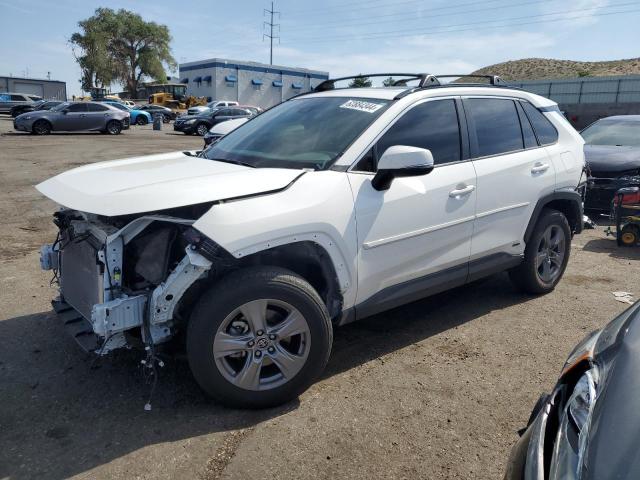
{"x":401,"y":161}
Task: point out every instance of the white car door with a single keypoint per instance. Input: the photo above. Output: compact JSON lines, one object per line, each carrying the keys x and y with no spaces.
{"x":513,"y":173}
{"x":415,"y":237}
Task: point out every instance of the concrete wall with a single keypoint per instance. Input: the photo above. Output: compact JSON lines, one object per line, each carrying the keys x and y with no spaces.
{"x":254,"y":83}
{"x":47,"y":89}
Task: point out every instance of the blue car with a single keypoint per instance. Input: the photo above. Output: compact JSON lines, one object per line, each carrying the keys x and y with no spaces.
{"x":138,"y":117}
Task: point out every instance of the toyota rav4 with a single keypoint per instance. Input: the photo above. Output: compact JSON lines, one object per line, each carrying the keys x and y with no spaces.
{"x":330,"y":207}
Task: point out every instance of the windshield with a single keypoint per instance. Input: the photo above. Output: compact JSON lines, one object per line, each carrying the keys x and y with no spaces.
{"x":62,"y":106}
{"x":119,"y":106}
{"x":300,"y":133}
{"x":613,"y":132}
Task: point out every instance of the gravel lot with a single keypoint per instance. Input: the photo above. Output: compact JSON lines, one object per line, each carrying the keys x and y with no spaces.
{"x":436,"y":389}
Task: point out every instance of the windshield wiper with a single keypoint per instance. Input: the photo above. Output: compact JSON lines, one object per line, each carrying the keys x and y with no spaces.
{"x":234,"y":162}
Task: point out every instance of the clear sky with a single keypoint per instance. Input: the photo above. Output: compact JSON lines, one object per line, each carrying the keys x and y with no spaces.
{"x":341,"y":36}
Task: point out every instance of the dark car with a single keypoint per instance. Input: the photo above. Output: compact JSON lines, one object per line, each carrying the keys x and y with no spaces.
{"x":74,"y":116}
{"x":588,"y":428}
{"x":39,"y":105}
{"x":167,"y":113}
{"x":612,"y":152}
{"x":9,"y":100}
{"x":200,"y":124}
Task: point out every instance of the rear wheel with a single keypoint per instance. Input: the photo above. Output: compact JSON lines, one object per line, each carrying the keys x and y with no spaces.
{"x":258,"y":338}
{"x":165,"y":119}
{"x":546,"y":254}
{"x":630,"y":235}
{"x":202,"y":129}
{"x":41,"y":127}
{"x":114,"y":127}
{"x":141,"y":120}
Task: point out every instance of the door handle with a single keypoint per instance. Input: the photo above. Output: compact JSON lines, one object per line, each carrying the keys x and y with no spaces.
{"x":540,"y":167}
{"x":459,"y":192}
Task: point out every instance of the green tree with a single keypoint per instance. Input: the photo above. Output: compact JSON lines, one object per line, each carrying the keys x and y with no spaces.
{"x":89,"y":48}
{"x":360,"y":82}
{"x":389,"y":81}
{"x":128,"y":47}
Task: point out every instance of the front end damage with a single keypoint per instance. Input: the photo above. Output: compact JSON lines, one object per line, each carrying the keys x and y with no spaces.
{"x":121,"y":279}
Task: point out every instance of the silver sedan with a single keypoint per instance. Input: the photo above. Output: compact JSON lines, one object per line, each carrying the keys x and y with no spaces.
{"x":72,"y":117}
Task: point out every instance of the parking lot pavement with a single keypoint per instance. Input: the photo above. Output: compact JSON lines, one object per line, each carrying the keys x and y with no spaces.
{"x":433,"y":390}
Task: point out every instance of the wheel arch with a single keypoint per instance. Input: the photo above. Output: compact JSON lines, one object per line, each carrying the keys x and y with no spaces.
{"x":42,"y":120}
{"x":568,"y":202}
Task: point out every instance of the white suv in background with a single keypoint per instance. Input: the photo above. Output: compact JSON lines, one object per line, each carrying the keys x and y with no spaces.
{"x":330,"y":207}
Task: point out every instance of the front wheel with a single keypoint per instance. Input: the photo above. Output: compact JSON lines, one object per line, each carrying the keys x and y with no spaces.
{"x":114,"y":127}
{"x":41,"y":127}
{"x":546,"y":254}
{"x":202,"y":129}
{"x":258,"y":338}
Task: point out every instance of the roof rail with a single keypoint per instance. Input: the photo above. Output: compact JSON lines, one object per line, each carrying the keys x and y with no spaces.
{"x":493,"y":79}
{"x":424,"y":80}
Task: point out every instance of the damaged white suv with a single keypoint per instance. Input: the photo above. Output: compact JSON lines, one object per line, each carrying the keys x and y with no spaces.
{"x":327,"y":208}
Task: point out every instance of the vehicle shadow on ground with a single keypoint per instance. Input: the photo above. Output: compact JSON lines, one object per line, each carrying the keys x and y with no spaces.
{"x":611,"y":248}
{"x":59,"y":417}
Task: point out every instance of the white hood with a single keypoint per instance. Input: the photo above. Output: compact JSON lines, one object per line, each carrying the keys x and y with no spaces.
{"x":158,"y":182}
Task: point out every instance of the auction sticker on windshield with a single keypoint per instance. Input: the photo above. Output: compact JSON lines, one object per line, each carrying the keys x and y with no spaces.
{"x":362,"y":106}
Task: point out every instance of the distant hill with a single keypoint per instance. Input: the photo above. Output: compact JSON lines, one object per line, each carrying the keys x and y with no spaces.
{"x":538,"y":68}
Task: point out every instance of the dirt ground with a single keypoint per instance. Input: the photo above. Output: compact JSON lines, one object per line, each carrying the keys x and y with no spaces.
{"x":436,"y":389}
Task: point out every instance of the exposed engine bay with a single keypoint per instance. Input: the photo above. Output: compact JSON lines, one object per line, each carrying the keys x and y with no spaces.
{"x":121,"y":279}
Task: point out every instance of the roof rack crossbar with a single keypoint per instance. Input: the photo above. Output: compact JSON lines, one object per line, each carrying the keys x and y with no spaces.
{"x":493,"y":79}
{"x":424,"y":79}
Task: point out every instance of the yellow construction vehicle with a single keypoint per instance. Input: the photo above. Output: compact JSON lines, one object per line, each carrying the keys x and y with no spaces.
{"x":182,"y":103}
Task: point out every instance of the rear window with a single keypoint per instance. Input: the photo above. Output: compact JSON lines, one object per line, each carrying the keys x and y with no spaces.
{"x":496,"y":123}
{"x":77,"y":107}
{"x":96,"y":107}
{"x":545,"y":131}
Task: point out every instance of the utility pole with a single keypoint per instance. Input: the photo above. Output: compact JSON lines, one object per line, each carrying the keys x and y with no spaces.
{"x":270,"y":35}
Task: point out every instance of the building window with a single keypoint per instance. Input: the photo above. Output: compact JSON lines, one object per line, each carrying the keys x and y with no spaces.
{"x":297,"y":85}
{"x":197,"y":80}
{"x":277,"y":83}
{"x":207,"y":79}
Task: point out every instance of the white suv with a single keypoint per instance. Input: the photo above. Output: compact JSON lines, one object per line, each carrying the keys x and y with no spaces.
{"x":330,"y":207}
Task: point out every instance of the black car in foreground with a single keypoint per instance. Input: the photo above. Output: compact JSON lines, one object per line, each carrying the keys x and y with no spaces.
{"x":588,"y":428}
{"x":612,"y":152}
{"x":200,"y":124}
{"x":32,"y":107}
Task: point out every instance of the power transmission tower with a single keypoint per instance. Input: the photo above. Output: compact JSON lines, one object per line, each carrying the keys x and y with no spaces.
{"x":270,"y":35}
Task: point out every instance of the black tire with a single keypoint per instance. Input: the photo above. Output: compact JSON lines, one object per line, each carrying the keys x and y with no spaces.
{"x":141,"y":120}
{"x":202,"y":129}
{"x":165,"y":119}
{"x":526,"y":276}
{"x":235,"y":290}
{"x":41,"y":127}
{"x":629,"y":235}
{"x":114,"y":127}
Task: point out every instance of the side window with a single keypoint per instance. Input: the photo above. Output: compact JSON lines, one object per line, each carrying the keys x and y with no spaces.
{"x":432,"y":125}
{"x":17,"y":98}
{"x":77,"y":107}
{"x":527,"y":132}
{"x":95,"y":107}
{"x":545,"y":131}
{"x":497,"y":125}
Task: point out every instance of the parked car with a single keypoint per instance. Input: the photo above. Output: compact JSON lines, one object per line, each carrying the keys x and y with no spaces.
{"x":219,"y":130}
{"x":138,"y":117}
{"x":251,"y":108}
{"x":612,"y":152}
{"x":250,"y":251}
{"x":210,"y":106}
{"x":10,"y":100}
{"x":200,"y":124}
{"x":167,"y":113}
{"x":74,"y":116}
{"x":30,"y":107}
{"x":587,"y":428}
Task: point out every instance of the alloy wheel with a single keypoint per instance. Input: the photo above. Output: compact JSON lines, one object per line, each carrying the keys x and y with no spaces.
{"x":551,"y":252}
{"x":202,"y":130}
{"x":262,"y":344}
